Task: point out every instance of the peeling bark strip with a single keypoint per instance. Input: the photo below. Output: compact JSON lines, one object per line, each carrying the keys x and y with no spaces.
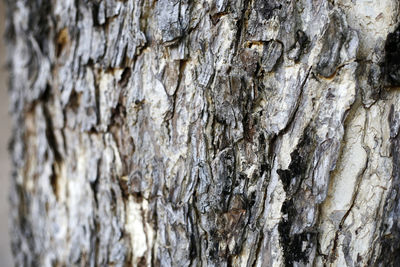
{"x":205,"y":133}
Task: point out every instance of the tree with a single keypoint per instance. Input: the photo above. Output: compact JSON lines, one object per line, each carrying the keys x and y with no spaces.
{"x":205,"y":133}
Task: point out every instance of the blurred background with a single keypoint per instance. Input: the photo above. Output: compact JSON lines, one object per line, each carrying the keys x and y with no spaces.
{"x":5,"y":129}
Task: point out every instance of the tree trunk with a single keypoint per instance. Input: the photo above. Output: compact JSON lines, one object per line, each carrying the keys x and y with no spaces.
{"x":205,"y":133}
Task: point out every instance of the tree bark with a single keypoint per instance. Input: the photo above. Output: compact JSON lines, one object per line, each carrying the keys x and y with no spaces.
{"x":205,"y":132}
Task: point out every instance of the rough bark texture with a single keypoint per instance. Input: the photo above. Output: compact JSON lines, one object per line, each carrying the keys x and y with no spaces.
{"x":205,"y":132}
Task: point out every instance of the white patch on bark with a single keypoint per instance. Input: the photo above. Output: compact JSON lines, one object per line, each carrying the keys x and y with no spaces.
{"x":140,"y":234}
